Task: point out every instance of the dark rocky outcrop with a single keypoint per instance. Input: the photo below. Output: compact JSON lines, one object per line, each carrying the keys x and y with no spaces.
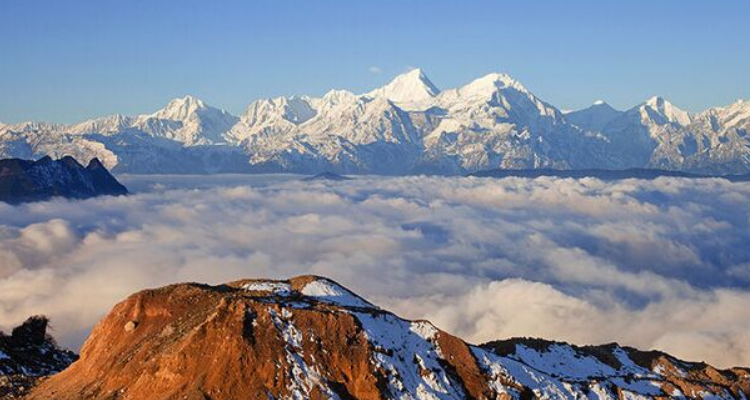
{"x":28,"y":355}
{"x":26,"y":180}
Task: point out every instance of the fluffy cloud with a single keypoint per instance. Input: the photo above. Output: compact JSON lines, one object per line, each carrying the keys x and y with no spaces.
{"x":654,"y":264}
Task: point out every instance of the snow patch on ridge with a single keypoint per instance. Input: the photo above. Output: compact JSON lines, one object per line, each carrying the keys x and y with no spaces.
{"x":277,"y":288}
{"x":304,"y":377}
{"x":329,"y":292}
{"x":392,"y":338}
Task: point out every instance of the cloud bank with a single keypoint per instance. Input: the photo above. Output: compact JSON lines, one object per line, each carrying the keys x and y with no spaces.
{"x":661,"y":264}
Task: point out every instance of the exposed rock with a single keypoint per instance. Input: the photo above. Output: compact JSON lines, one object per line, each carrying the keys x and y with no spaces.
{"x":17,"y":386}
{"x":130,"y":326}
{"x":25,"y":180}
{"x":310,"y":338}
{"x":27,"y":356}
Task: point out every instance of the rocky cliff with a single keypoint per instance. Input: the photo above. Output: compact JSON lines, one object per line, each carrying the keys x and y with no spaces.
{"x":310,"y":338}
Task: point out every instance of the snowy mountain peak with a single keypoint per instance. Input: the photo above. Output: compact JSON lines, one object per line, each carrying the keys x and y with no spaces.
{"x":339,"y":96}
{"x":411,"y":86}
{"x":181,"y":108}
{"x":735,"y":115}
{"x":656,"y":101}
{"x":594,"y":117}
{"x":490,"y":84}
{"x":662,"y":111}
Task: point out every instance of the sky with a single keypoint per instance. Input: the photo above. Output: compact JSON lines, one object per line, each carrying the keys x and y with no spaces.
{"x":73,"y":60}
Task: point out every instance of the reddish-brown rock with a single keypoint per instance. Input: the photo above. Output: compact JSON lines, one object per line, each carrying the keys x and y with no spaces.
{"x":309,"y":338}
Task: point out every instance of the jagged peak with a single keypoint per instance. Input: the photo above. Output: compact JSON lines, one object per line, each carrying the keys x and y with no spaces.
{"x":294,"y":109}
{"x":489,"y":84}
{"x":109,"y":123}
{"x":94,"y":163}
{"x":656,"y":101}
{"x":187,"y":101}
{"x":279,"y":101}
{"x":667,"y":110}
{"x":181,"y":108}
{"x":337,"y":96}
{"x":739,"y":103}
{"x":411,"y":86}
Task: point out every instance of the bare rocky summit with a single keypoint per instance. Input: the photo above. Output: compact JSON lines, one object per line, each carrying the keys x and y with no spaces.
{"x":310,"y":338}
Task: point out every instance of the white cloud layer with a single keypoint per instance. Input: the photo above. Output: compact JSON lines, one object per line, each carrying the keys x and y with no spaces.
{"x":662,"y":264}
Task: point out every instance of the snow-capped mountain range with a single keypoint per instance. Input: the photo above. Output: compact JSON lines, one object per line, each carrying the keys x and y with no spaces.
{"x":407,"y":126}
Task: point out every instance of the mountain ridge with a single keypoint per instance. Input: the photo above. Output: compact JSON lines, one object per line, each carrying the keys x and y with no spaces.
{"x":405,"y":127}
{"x":25,"y":180}
{"x":309,"y":337}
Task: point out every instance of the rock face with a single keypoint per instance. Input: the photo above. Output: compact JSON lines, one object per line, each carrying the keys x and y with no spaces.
{"x":407,"y":126}
{"x":24,"y":180}
{"x":310,"y":338}
{"x":27,"y":355}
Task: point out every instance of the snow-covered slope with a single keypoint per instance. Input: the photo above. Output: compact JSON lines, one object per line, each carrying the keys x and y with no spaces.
{"x":495,"y":121}
{"x":407,"y":126}
{"x":595,"y":117}
{"x":186,"y":120}
{"x":657,"y":134}
{"x":409,"y":88}
{"x":311,"y":338}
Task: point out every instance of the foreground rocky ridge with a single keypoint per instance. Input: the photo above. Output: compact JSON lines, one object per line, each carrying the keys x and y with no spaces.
{"x":310,"y":338}
{"x":26,"y":180}
{"x":408,"y":126}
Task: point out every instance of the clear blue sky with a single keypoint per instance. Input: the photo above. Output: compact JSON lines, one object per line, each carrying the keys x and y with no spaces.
{"x":66,"y":61}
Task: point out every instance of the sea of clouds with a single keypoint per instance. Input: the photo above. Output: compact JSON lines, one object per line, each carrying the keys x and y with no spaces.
{"x":661,"y":264}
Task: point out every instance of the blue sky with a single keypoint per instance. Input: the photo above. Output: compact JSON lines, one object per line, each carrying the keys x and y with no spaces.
{"x":66,"y":61}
